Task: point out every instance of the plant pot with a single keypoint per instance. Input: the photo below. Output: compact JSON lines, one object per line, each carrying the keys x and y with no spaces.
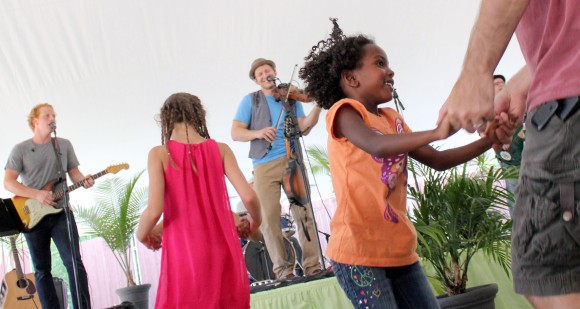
{"x":479,"y":297}
{"x":137,"y":294}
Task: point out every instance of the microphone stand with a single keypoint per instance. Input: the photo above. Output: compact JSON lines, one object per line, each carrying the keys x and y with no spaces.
{"x":67,"y":212}
{"x":326,"y":235}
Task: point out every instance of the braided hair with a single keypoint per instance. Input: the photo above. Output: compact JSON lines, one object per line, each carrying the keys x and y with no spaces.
{"x":182,"y":107}
{"x":326,"y":62}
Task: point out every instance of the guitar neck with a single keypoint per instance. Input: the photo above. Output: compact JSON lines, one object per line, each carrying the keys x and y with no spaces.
{"x":17,"y":266}
{"x":58,"y":195}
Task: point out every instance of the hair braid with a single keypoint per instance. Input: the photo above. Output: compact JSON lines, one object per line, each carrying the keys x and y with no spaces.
{"x":182,"y":108}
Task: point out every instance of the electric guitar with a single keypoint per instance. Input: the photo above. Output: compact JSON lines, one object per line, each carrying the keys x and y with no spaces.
{"x":20,"y":289}
{"x":31,"y":211}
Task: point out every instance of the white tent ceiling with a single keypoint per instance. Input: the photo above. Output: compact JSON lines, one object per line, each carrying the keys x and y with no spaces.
{"x":107,"y":66}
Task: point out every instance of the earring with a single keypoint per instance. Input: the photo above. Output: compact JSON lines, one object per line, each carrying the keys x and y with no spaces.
{"x":353,"y":82}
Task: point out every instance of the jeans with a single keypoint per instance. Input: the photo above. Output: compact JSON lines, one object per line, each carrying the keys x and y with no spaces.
{"x":55,"y":227}
{"x":385,"y":287}
{"x":510,"y":183}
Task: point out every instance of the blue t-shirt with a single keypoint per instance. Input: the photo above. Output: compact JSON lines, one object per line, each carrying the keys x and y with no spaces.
{"x":244,"y":114}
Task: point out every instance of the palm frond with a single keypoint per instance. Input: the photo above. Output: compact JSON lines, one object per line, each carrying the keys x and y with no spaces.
{"x":457,"y":213}
{"x":114,"y":217}
{"x":318,"y":160}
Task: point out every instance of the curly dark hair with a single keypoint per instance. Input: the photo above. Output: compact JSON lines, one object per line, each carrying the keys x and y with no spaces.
{"x":182,"y":107}
{"x":326,"y":62}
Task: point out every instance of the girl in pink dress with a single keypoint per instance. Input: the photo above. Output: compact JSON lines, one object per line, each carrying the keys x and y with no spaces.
{"x":202,"y":264}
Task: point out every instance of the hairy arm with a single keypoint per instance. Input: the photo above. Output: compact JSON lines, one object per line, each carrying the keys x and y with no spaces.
{"x":471,"y":99}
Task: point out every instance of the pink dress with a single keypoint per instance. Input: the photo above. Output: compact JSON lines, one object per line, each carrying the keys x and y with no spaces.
{"x":202,"y":265}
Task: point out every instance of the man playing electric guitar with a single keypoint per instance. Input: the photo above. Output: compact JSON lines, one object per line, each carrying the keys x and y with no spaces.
{"x":35,"y":162}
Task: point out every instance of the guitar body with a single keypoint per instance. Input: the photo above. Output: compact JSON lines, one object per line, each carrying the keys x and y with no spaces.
{"x":20,"y":293}
{"x":31,"y":211}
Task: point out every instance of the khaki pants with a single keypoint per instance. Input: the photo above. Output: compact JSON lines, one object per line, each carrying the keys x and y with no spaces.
{"x":268,"y":179}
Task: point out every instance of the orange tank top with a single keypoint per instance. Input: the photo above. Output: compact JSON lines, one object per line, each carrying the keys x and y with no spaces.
{"x":370,"y":226}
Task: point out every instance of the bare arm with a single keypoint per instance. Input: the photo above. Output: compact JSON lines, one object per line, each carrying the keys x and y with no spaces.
{"x":510,"y":103}
{"x":471,"y":99}
{"x":12,"y":184}
{"x":307,"y":123}
{"x":76,"y":176}
{"x":349,"y":124}
{"x":244,"y":190}
{"x":442,"y":160}
{"x":241,"y":133}
{"x":152,"y":213}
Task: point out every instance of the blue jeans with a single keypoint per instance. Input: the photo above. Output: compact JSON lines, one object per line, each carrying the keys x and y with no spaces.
{"x":510,"y":183}
{"x":385,"y":287}
{"x":55,"y":227}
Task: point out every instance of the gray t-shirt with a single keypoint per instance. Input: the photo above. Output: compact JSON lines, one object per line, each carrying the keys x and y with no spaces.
{"x":37,"y":163}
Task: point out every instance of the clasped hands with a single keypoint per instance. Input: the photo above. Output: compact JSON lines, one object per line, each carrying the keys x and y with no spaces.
{"x":153,"y":239}
{"x":247,"y":228}
{"x":473,"y":106}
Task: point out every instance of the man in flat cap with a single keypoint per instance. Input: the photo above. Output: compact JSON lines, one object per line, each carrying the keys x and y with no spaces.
{"x":255,"y":122}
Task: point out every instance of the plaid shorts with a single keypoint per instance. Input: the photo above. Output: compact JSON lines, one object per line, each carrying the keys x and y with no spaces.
{"x":546,"y":229}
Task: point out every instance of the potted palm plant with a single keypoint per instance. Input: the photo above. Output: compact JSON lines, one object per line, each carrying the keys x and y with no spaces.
{"x":114,"y":218}
{"x":458,"y":213}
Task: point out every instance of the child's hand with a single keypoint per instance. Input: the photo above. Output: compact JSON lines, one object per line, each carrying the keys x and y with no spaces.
{"x":152,"y":242}
{"x":505,"y":128}
{"x":248,"y":228}
{"x":154,"y":238}
{"x":444,"y":130}
{"x":255,"y":234}
{"x":491,"y":133}
{"x":243,"y":228}
{"x":497,"y":131}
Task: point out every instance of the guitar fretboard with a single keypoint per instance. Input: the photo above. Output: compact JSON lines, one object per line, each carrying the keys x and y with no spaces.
{"x":59,"y":194}
{"x":17,"y":266}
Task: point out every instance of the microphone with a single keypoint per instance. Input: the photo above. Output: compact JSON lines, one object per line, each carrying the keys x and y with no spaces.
{"x":52,"y":125}
{"x":271,"y":79}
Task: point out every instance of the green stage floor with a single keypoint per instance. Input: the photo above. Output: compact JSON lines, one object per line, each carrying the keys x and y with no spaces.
{"x":326,"y":293}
